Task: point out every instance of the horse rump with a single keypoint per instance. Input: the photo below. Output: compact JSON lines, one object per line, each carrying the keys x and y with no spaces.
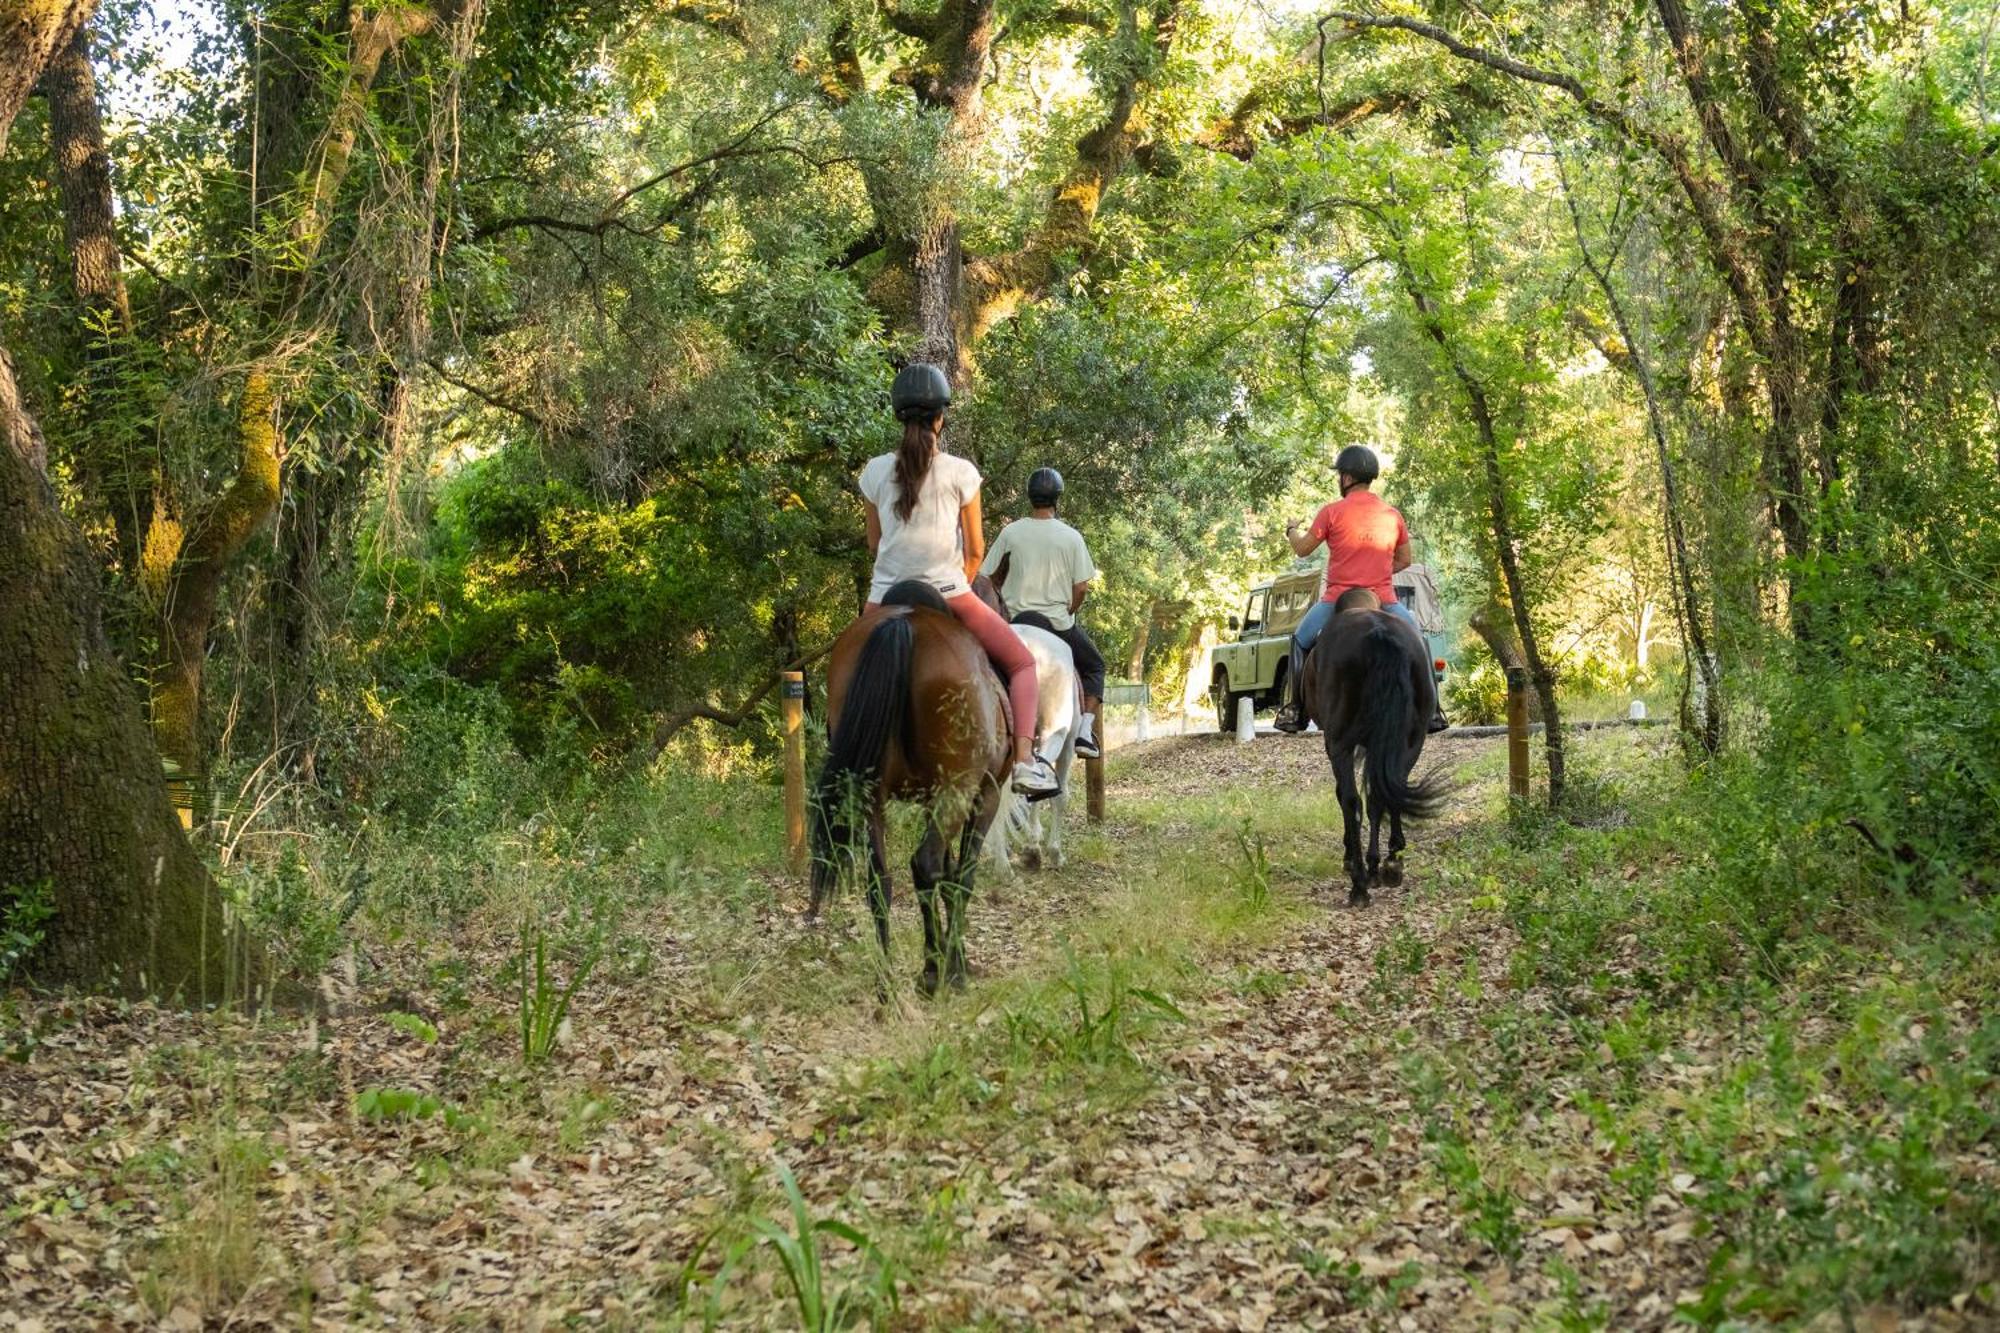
{"x":1389,"y":687}
{"x":874,"y":714}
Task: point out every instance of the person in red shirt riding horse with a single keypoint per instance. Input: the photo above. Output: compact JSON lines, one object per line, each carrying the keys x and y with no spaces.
{"x":1367,"y":543}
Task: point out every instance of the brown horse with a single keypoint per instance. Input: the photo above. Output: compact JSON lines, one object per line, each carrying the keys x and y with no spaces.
{"x":1368,"y":684}
{"x":917,"y":714}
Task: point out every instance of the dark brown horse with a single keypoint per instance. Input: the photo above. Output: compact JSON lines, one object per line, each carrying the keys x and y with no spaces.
{"x":917,"y":714}
{"x":1368,"y":684}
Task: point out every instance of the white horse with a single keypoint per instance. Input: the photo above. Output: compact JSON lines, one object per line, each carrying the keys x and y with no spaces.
{"x":1037,"y":826}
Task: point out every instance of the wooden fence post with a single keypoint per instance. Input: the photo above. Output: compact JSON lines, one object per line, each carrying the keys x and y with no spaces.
{"x":1093,"y":787}
{"x":1517,"y":732}
{"x":794,"y":712}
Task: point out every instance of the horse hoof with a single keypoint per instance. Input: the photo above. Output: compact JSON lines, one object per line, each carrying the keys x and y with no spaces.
{"x":927,"y":983}
{"x":1390,"y":875}
{"x":1358,"y":898}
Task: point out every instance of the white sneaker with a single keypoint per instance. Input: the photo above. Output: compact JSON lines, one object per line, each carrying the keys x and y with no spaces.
{"x":1033,"y":778}
{"x":1086,"y":738}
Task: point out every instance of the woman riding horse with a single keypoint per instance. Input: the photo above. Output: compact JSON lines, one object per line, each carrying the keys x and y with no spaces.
{"x":916,"y":712}
{"x":924,"y":523}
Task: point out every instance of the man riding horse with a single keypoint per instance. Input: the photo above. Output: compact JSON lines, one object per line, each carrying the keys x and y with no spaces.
{"x":1367,"y":544}
{"x":1043,"y":567}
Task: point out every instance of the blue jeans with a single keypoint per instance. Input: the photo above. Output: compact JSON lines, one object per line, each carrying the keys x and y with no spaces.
{"x":1314,"y":624}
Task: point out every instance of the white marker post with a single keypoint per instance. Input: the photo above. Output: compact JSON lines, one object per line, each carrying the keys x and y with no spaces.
{"x":1638,"y":713}
{"x":1246,"y":721}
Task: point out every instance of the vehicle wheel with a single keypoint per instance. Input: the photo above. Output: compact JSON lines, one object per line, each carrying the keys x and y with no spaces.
{"x":1225,"y":703}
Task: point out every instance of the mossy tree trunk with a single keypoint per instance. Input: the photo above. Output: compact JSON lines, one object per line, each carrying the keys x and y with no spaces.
{"x":206,"y":553}
{"x":84,"y":813}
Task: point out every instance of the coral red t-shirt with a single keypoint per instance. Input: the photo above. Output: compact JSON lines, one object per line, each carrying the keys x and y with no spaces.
{"x":1361,"y":532}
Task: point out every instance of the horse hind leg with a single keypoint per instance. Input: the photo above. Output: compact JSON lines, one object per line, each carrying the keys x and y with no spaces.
{"x":1376,"y":802}
{"x":1392,"y":867}
{"x":1350,"y":824}
{"x":927,"y":868}
{"x":958,"y":877}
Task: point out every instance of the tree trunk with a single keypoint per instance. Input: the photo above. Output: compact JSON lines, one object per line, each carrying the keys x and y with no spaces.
{"x":1539,"y":673}
{"x":84,"y":813}
{"x":212,"y":544}
{"x":1494,"y":626}
{"x":32,"y":32}
{"x":83,"y":171}
{"x":1135,"y":666}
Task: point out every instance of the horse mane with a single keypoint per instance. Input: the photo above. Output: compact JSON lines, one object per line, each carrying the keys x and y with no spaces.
{"x":915,"y":592}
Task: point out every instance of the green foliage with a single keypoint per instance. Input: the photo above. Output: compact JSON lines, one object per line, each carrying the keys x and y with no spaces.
{"x":23,"y":914}
{"x":396,"y":1104}
{"x":823,"y":1299}
{"x":413,"y":1025}
{"x":543,"y":1005}
{"x":1105,"y":1014}
{"x":1253,"y":877}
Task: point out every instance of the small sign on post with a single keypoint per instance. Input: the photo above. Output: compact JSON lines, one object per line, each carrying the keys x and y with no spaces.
{"x":793,"y":706}
{"x":1517,"y":732}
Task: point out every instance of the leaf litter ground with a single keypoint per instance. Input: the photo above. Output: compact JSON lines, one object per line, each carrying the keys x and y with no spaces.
{"x":1280,"y":1159}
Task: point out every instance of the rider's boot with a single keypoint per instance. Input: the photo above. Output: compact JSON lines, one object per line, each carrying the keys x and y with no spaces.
{"x":1292,"y":713}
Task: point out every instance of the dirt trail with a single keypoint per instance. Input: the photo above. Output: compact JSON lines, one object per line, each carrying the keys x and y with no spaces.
{"x":1276,"y":1175}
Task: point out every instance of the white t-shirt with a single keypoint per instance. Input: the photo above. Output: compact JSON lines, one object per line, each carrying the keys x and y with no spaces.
{"x":929,"y":544}
{"x":1048,"y":560}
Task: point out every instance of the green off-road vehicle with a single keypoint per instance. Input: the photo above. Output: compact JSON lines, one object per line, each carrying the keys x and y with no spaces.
{"x":1253,"y":663}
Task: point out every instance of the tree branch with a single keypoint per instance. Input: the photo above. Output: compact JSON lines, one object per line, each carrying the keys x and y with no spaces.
{"x":1003,"y":282}
{"x":1725,"y":248}
{"x":923,"y":27}
{"x":724,"y":19}
{"x":490,"y":398}
{"x":675,"y":723}
{"x":1694,"y":76}
{"x":1248,"y":127}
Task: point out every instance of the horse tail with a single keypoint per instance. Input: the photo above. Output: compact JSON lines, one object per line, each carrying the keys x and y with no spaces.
{"x":872,"y":715}
{"x":1391,"y":704}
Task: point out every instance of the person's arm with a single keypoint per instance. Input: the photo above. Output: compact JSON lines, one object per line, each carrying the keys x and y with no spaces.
{"x":1083,"y":570}
{"x":970,"y":524}
{"x":1305,"y":538}
{"x":874,"y":526}
{"x":996,"y":566}
{"x":1400,"y":561}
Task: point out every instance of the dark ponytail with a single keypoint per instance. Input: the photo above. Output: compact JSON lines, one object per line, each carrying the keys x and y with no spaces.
{"x":913,"y":461}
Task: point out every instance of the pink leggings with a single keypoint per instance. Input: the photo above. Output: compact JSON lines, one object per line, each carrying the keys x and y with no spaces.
{"x":1004,"y":646}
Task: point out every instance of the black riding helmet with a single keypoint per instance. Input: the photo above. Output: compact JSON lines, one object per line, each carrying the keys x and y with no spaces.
{"x":1359,"y":462}
{"x":1045,"y":487}
{"x":920,"y":392}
